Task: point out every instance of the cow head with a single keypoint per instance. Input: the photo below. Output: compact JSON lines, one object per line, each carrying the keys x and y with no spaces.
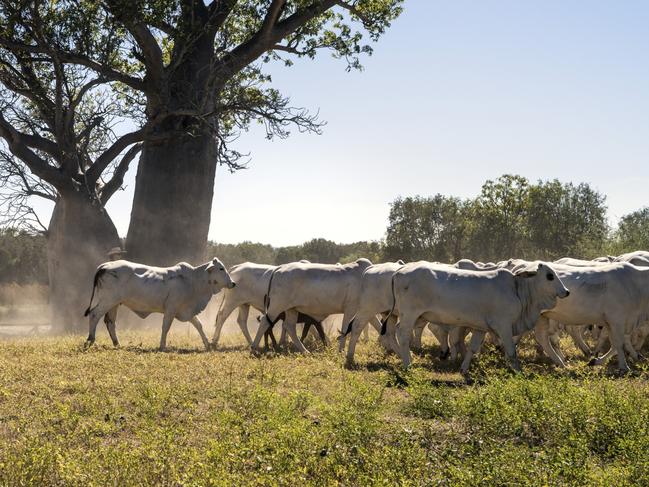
{"x":537,"y":287}
{"x":545,"y":279}
{"x":217,"y":276}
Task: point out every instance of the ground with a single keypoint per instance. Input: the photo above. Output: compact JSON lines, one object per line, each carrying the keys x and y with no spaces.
{"x":134,"y":416}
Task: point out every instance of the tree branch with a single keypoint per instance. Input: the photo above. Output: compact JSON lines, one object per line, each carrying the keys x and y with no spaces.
{"x":150,"y":50}
{"x":101,"y":163}
{"x":38,"y":166}
{"x":248,"y":51}
{"x":76,"y":58}
{"x":272,"y":15}
{"x":118,"y":176}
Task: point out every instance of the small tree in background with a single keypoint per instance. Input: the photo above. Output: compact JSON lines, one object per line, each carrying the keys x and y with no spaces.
{"x":426,"y":228}
{"x":632,"y":232}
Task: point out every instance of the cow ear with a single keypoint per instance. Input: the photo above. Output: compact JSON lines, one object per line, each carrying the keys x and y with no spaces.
{"x":210,"y":268}
{"x":524,"y":273}
{"x":527,"y":271}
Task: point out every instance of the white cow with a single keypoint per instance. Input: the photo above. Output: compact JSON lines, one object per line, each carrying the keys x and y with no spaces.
{"x":181,"y":292}
{"x":317,"y":290}
{"x":639,"y":258}
{"x":507,"y":304}
{"x":615,"y":295}
{"x":252,"y":285}
{"x":374,"y":297}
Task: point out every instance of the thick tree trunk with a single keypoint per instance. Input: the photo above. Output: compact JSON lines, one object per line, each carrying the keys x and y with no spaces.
{"x":175,"y":178}
{"x":173,"y":200}
{"x":80,"y":234}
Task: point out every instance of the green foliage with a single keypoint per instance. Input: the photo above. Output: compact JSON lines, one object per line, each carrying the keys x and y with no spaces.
{"x":632,"y":232}
{"x":232,"y":254}
{"x":427,"y":228}
{"x":23,"y":257}
{"x":510,"y":218}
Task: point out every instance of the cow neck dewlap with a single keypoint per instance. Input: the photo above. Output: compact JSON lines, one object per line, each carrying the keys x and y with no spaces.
{"x":531,"y":304}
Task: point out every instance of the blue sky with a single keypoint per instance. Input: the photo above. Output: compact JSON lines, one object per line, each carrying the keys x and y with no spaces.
{"x":456,"y":92}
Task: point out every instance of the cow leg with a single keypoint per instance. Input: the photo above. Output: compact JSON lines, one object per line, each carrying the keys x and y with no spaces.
{"x":366,"y":334}
{"x":576,"y":333}
{"x":477,"y":337}
{"x":417,"y":332}
{"x":390,"y":338}
{"x":283,"y":338}
{"x":603,"y":342}
{"x":628,"y":347}
{"x":289,"y":325}
{"x":542,"y":336}
{"x":404,"y":333}
{"x":225,"y":311}
{"x":360,"y":322}
{"x":242,"y":321}
{"x":638,"y":337}
{"x":510,"y":348}
{"x":109,"y":319}
{"x":441,"y":335}
{"x":616,"y":336}
{"x":199,"y":328}
{"x":555,"y":340}
{"x":456,"y":337}
{"x":264,"y":325}
{"x":305,"y":331}
{"x":323,"y":336}
{"x":167,"y":319}
{"x":93,"y":319}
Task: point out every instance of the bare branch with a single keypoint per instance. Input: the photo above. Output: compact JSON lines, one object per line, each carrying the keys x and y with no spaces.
{"x":38,"y":166}
{"x":117,"y":180}
{"x":101,"y":163}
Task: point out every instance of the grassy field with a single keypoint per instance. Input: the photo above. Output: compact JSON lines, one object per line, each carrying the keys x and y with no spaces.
{"x":134,"y":416}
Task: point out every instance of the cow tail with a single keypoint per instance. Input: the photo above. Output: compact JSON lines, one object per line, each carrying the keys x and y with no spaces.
{"x":349,"y":327}
{"x":384,"y":321}
{"x":267,"y":298}
{"x":100,"y":272}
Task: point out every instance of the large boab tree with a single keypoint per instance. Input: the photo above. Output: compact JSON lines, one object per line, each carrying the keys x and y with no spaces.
{"x":199,"y":67}
{"x":56,"y":126}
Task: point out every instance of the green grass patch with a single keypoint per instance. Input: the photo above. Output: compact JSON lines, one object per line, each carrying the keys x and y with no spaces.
{"x":134,"y":416}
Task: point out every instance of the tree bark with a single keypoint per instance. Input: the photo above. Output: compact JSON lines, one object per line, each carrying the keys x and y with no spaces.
{"x":174,"y":185}
{"x":80,"y":234}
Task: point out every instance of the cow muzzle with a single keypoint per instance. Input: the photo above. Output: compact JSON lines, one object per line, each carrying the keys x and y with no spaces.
{"x":231,"y":285}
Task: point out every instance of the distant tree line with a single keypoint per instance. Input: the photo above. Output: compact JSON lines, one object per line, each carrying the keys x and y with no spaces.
{"x":511,"y":217}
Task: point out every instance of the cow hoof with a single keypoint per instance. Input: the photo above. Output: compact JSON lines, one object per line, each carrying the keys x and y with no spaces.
{"x":468,"y":380}
{"x":444,"y":354}
{"x":593,"y":361}
{"x":87,"y":344}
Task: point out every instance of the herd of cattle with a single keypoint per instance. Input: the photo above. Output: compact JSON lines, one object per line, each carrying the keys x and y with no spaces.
{"x":506,"y":300}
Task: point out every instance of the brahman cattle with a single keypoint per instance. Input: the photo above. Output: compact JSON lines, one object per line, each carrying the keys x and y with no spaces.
{"x":615,"y":295}
{"x":500,"y":301}
{"x":252,"y":284}
{"x":181,"y":292}
{"x":318,"y":290}
{"x":374,"y":297}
